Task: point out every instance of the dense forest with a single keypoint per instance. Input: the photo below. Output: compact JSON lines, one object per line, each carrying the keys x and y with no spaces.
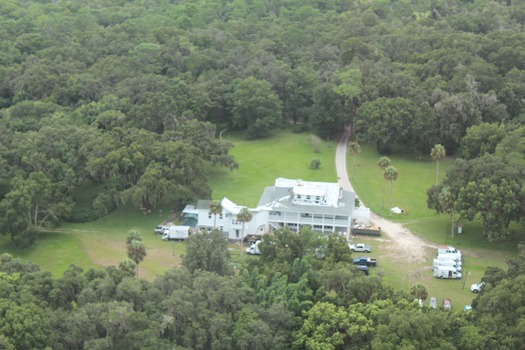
{"x":130,"y":97}
{"x":302,"y":293}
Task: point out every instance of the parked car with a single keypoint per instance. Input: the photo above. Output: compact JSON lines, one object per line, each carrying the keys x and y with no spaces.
{"x":433,"y":303}
{"x":360,"y":247}
{"x":447,"y":304}
{"x":364,"y":269}
{"x":365,"y":261}
{"x":476,"y":287}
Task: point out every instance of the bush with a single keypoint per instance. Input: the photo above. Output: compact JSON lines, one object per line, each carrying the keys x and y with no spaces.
{"x":84,"y":212}
{"x":315,"y":142}
{"x":315,"y":163}
{"x":26,"y":238}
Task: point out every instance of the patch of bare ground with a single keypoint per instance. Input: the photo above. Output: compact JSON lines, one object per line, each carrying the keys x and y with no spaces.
{"x":406,"y":246}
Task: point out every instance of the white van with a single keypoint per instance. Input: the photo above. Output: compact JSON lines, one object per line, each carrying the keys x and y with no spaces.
{"x":449,"y":257}
{"x":446,"y":272}
{"x":450,"y":251}
{"x":450,"y":263}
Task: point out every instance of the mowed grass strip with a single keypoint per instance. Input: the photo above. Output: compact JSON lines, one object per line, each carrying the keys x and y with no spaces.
{"x":54,"y":252}
{"x":104,"y":240}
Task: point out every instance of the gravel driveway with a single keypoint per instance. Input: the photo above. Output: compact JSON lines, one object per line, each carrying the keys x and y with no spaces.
{"x":407,"y":246}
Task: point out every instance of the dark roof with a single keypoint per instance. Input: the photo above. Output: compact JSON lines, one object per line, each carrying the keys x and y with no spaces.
{"x":203,"y":204}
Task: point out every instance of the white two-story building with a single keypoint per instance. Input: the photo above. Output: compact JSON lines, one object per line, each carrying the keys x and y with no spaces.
{"x":291,"y":204}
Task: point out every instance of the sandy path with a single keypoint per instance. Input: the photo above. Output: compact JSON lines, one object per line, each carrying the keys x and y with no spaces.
{"x":407,"y":246}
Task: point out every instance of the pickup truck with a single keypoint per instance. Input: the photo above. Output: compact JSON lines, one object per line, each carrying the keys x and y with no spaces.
{"x":360,"y":247}
{"x":365,"y":261}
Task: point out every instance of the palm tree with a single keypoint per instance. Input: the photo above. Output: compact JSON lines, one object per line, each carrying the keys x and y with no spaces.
{"x":438,"y":152}
{"x":215,"y":208}
{"x":383,"y":163}
{"x":419,"y":291}
{"x":354,"y":149}
{"x":243,"y":216}
{"x":447,"y":202}
{"x":136,"y":248}
{"x":390,"y":175}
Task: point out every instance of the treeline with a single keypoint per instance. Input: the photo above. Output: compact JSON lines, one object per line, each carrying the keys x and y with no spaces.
{"x":303,"y":293}
{"x":132,"y":96}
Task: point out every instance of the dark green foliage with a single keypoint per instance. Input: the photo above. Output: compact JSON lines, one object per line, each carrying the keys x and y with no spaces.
{"x":487,"y":188}
{"x":208,"y":252}
{"x":133,"y":96}
{"x":256,"y":310}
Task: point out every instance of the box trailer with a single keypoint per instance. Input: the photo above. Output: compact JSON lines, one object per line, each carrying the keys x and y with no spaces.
{"x":176,"y":233}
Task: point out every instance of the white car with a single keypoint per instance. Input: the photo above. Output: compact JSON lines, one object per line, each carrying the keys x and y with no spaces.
{"x":360,"y":247}
{"x":433,"y":303}
{"x":476,"y":287}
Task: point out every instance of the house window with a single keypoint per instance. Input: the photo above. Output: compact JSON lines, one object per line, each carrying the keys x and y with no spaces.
{"x":318,"y":227}
{"x":307,"y":197}
{"x":220,"y":216}
{"x":209,"y":215}
{"x":237,"y":233}
{"x":298,"y":196}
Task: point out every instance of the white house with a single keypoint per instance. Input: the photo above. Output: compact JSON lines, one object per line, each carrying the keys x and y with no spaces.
{"x":291,"y":204}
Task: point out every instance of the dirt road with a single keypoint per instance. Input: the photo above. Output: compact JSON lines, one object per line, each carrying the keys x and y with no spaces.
{"x":407,"y":246}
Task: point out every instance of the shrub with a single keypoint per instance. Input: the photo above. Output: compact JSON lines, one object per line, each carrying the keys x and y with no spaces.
{"x":315,"y":163}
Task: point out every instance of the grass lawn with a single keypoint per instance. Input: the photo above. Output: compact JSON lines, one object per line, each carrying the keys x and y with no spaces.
{"x":285,"y":155}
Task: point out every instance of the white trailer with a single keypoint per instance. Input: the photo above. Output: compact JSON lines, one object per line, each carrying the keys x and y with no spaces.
{"x":450,"y":263}
{"x":446,"y":272}
{"x":176,"y":233}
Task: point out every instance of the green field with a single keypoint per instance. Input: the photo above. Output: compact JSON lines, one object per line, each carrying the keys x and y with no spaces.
{"x":285,"y":155}
{"x":101,"y":243}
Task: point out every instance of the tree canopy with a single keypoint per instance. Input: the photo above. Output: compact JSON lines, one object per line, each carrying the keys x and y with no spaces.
{"x":305,"y":294}
{"x":132,"y":96}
